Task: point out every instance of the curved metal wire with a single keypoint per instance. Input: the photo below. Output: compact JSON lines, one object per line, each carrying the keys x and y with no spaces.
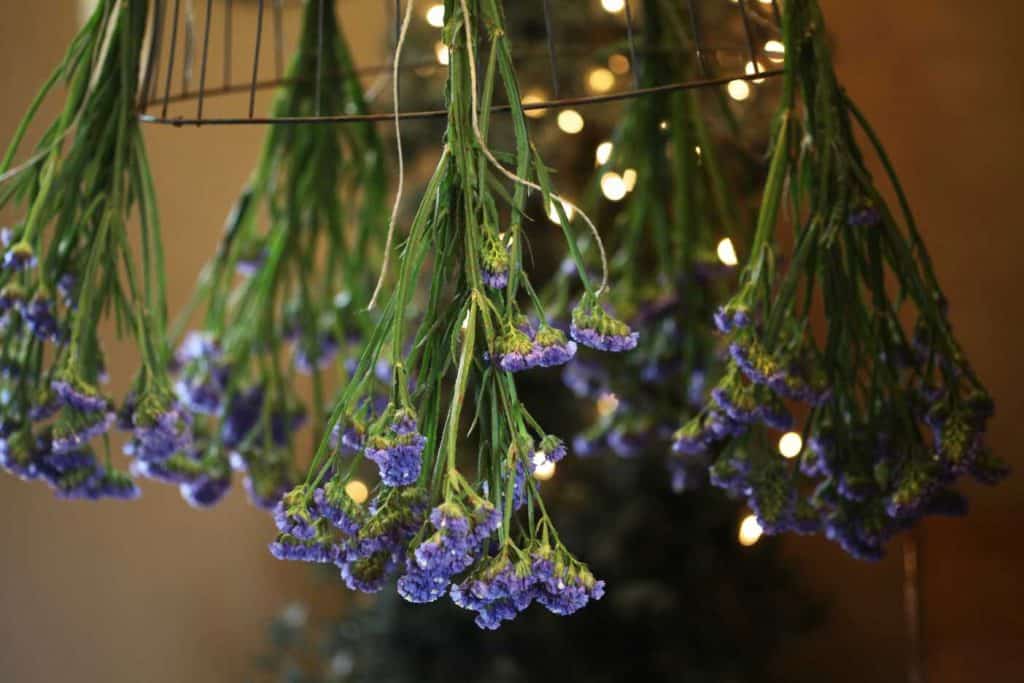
{"x":752,"y":24}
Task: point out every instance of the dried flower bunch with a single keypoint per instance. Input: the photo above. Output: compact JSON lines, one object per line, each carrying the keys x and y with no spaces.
{"x":417,"y":377}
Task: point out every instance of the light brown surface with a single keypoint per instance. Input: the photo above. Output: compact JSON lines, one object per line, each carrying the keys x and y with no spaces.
{"x":157,"y":592}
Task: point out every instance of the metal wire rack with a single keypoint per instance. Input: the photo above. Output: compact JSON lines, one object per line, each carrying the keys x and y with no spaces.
{"x":194,"y":48}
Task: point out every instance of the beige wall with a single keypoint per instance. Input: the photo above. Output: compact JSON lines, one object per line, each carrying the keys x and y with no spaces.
{"x":157,"y":592}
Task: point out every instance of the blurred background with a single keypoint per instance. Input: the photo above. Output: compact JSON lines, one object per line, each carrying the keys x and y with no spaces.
{"x":159,"y":592}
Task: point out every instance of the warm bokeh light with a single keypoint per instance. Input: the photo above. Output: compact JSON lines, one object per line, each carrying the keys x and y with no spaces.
{"x":544,"y":471}
{"x":790,"y":445}
{"x":629,"y":177}
{"x":603,"y":153}
{"x":570,"y":121}
{"x":535,"y":97}
{"x":357,"y":491}
{"x":600,"y":80}
{"x":727,"y":253}
{"x":775,"y":50}
{"x":738,"y":90}
{"x":750,"y":531}
{"x":613,"y":6}
{"x":441,"y":52}
{"x":553,"y":212}
{"x":619,"y":64}
{"x":613,"y":187}
{"x":435,"y":15}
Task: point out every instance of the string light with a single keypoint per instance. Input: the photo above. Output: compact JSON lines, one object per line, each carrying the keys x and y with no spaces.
{"x":607,"y":404}
{"x":570,"y":121}
{"x":663,"y":125}
{"x":357,"y":491}
{"x":535,"y":97}
{"x":435,"y":16}
{"x":441,"y":51}
{"x":727,"y":253}
{"x":738,"y":90}
{"x":790,"y":445}
{"x":603,"y":153}
{"x":619,"y":64}
{"x":629,"y":177}
{"x":613,"y":6}
{"x":613,"y":187}
{"x":600,"y":80}
{"x":544,"y":471}
{"x":750,"y":531}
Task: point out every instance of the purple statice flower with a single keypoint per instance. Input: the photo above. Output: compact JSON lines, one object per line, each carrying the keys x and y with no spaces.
{"x":325,"y":349}
{"x":494,"y":262}
{"x":398,"y":450}
{"x":348,"y":440}
{"x":449,"y":551}
{"x":592,"y":326}
{"x":585,"y":445}
{"x":12,"y":298}
{"x":552,"y":448}
{"x":732,"y":317}
{"x":367,"y":575}
{"x":202,"y":375}
{"x":317,"y":550}
{"x":296,"y":514}
{"x":180,"y":468}
{"x":498,"y":592}
{"x":551,"y":348}
{"x":74,"y":431}
{"x":79,"y":395}
{"x":160,"y":428}
{"x":627,"y":443}
{"x":790,"y":385}
{"x":337,"y":507}
{"x":19,"y":451}
{"x":19,"y":257}
{"x":250,"y":263}
{"x":562,"y":585}
{"x":206,"y":491}
{"x":45,"y":406}
{"x":774,"y":414}
{"x":66,"y":290}
{"x":6,"y":236}
{"x":40,"y":314}
{"x":739,"y":405}
{"x":584,"y":378}
{"x":752,"y":361}
{"x":692,"y":439}
{"x":513,"y":351}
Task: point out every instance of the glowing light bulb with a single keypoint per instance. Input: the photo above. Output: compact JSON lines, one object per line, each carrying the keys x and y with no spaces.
{"x":604,"y":153}
{"x":600,"y":80}
{"x":619,"y":64}
{"x":613,"y":6}
{"x":435,"y":16}
{"x":751,"y":68}
{"x":535,"y":97}
{"x":738,"y":90}
{"x":570,"y":121}
{"x":607,"y":404}
{"x":727,"y":253}
{"x":629,"y":177}
{"x":750,"y":531}
{"x":544,"y":471}
{"x":613,"y":187}
{"x":442,"y":54}
{"x":790,"y":445}
{"x":553,"y":212}
{"x":357,"y":491}
{"x":775,"y":50}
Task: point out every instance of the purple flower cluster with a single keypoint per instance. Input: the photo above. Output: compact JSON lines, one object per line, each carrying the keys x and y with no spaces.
{"x":501,"y":588}
{"x":19,"y":257}
{"x":520,"y":349}
{"x":202,"y":373}
{"x":494,"y":262}
{"x":592,"y":326}
{"x":456,"y":543}
{"x":397,"y":448}
{"x":318,"y":356}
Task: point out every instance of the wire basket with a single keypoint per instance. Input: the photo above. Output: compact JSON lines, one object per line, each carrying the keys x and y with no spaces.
{"x":205,"y":50}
